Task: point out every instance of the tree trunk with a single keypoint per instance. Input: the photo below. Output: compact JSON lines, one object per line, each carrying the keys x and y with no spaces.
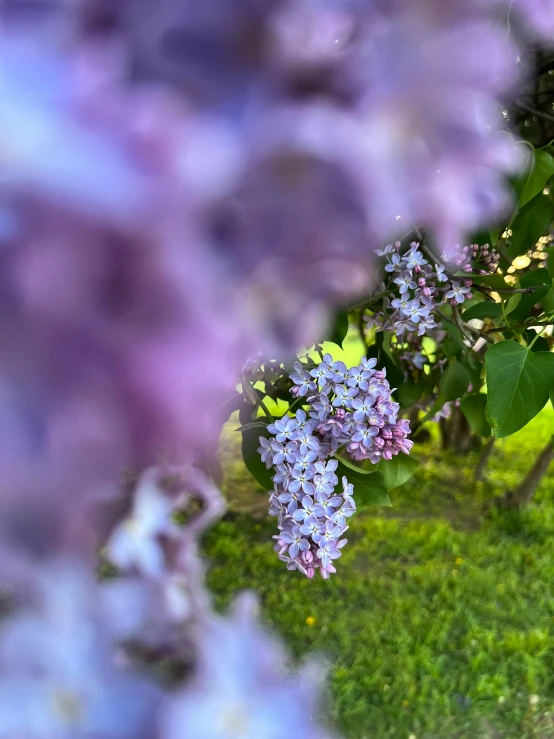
{"x":527,"y":488}
{"x":486,"y":452}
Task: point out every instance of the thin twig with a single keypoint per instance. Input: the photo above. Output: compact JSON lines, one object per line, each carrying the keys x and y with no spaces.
{"x":463,"y":327}
{"x":371,"y":299}
{"x":535,"y":112}
{"x":511,"y":291}
{"x":516,"y":326}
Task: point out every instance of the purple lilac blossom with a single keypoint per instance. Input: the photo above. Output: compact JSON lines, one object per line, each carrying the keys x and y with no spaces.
{"x":537,"y":15}
{"x":58,"y":674}
{"x":360,"y":416}
{"x":200,"y":202}
{"x":423,"y":288}
{"x":240,"y":688}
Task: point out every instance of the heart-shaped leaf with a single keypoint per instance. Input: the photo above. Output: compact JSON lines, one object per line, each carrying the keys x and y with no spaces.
{"x":486,"y":309}
{"x":339,"y":328}
{"x":250,"y":443}
{"x":540,"y":282}
{"x":518,"y":382}
{"x":530,"y":224}
{"x":369,"y":487}
{"x":410,"y":392}
{"x":398,"y":470}
{"x":541,"y":170}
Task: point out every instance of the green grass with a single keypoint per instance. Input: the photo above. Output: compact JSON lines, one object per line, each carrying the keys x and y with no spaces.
{"x":440,"y":621}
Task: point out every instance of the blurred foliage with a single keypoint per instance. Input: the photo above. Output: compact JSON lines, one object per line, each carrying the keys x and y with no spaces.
{"x":441,"y":621}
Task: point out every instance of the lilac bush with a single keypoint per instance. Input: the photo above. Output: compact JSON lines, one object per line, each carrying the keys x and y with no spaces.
{"x":184,"y":185}
{"x":349,"y":410}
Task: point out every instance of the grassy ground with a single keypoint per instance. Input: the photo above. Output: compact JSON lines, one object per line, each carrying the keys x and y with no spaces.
{"x":440,"y":621}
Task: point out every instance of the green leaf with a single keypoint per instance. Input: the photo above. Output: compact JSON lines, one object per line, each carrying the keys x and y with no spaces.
{"x":227,"y":408}
{"x":550,"y":262}
{"x":533,"y":337}
{"x":496,"y":282}
{"x":456,"y":338}
{"x":250,"y":444}
{"x":252,"y":460}
{"x":339,"y":328}
{"x":530,"y":224}
{"x":539,"y":279}
{"x":454,"y":382}
{"x":473,"y":408}
{"x":249,"y":392}
{"x":512,"y":303}
{"x":486,"y":309}
{"x":548,"y":302}
{"x":482,"y":238}
{"x":261,"y":424}
{"x":518,"y":384}
{"x":398,"y":470}
{"x":541,"y":171}
{"x":475,"y":369}
{"x":410,"y":392}
{"x":369,"y":487}
{"x":395,"y":375}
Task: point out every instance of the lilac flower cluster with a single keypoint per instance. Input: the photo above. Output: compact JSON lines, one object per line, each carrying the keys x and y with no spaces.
{"x":423,"y":288}
{"x":476,"y":259}
{"x":82,"y":657}
{"x":172,"y":162}
{"x":348,"y":409}
{"x":246,"y":185}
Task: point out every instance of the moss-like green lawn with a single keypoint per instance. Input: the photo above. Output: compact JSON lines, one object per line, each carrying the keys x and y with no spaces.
{"x":440,"y":620}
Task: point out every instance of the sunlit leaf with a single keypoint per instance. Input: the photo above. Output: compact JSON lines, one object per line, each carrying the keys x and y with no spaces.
{"x":518,"y":382}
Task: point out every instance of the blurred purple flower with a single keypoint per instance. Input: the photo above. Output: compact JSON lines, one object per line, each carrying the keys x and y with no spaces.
{"x":241,"y":689}
{"x":58,"y":670}
{"x":136,"y":541}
